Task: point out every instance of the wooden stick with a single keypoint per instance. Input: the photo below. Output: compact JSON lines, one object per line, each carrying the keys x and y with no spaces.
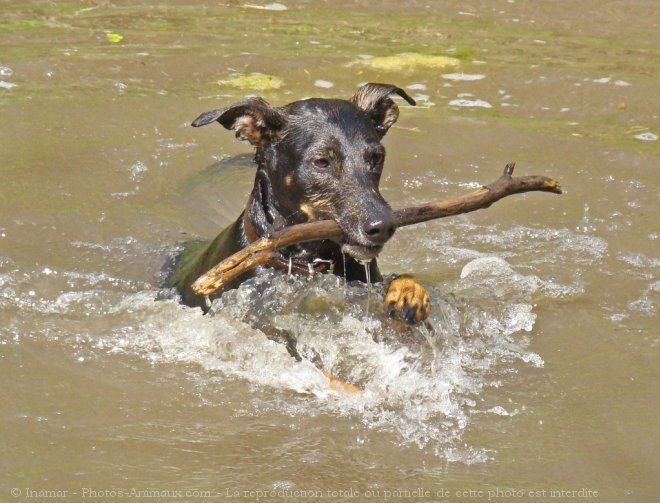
{"x":265,"y":249}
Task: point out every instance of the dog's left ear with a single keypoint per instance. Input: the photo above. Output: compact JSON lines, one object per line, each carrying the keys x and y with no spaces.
{"x":253,"y":120}
{"x":375,"y":101}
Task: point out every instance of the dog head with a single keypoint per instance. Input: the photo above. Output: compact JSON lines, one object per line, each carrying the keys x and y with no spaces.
{"x":320,"y":159}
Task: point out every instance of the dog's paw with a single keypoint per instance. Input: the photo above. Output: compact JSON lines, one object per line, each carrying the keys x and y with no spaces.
{"x":407,"y":300}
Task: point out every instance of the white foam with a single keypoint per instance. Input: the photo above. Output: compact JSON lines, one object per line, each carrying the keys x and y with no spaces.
{"x":137,"y":170}
{"x":462,"y":102}
{"x":646,"y":136}
{"x":486,"y":265}
{"x":324,"y":84}
{"x":463,"y":76}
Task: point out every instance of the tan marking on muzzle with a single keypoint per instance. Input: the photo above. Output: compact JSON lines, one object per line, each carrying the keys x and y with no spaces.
{"x":321,"y":202}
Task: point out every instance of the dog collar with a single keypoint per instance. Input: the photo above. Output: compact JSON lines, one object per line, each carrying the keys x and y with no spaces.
{"x":289,"y":263}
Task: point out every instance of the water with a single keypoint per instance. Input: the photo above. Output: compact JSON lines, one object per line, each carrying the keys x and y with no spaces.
{"x":367,"y":275}
{"x":538,"y":369}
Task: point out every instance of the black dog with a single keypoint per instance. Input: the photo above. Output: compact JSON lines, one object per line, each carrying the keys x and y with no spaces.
{"x":316,"y":159}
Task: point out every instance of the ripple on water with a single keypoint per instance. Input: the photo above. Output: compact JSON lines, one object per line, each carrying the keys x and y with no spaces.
{"x":536,"y":248}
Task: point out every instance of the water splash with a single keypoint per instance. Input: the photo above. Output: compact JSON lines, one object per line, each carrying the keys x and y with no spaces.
{"x":422,"y":383}
{"x":367,"y":274}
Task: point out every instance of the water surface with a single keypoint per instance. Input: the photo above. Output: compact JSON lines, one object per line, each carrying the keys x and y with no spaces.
{"x":540,"y":372}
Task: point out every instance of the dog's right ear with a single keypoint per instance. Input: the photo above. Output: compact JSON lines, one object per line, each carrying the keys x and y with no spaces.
{"x":253,"y":120}
{"x":373,"y":99}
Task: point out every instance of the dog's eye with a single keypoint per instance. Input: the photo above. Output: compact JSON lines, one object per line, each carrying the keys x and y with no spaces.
{"x":377,"y":159}
{"x":321,"y":163}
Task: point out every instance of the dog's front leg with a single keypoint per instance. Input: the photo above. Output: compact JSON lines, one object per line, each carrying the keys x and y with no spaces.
{"x":407,"y":300}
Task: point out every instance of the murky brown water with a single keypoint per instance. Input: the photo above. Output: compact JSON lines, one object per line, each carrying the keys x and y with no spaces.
{"x":543,"y":372}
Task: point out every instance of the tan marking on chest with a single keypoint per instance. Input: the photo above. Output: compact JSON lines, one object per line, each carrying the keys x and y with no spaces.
{"x":308,"y":210}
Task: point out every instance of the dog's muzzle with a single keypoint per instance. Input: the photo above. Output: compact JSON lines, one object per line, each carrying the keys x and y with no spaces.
{"x":371,"y":237}
{"x":361,"y":253}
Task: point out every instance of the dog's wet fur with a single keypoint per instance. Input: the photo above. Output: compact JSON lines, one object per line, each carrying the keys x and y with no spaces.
{"x":316,"y":159}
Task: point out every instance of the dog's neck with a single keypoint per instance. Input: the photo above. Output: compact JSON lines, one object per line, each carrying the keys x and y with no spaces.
{"x":250,"y":232}
{"x":261,"y":218}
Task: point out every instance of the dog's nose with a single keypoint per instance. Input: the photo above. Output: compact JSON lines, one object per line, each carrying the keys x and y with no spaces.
{"x":380,"y":230}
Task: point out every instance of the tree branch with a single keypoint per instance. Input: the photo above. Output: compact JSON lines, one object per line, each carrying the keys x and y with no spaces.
{"x":264,"y":250}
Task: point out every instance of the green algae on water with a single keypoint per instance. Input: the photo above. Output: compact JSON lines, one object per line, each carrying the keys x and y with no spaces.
{"x":408,"y":61}
{"x":254,"y":81}
{"x":114,"y":37}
